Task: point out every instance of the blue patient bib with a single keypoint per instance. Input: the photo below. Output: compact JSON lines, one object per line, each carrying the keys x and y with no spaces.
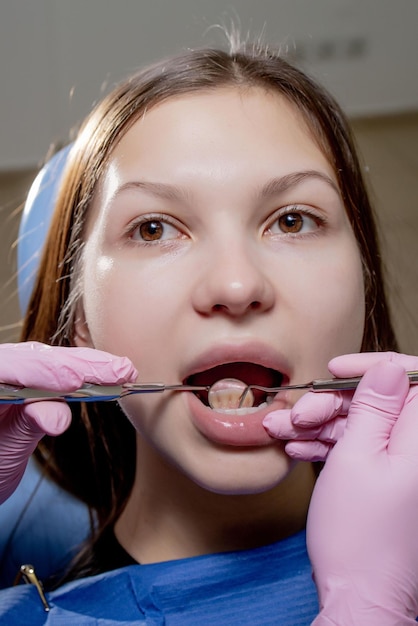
{"x":262,"y":587}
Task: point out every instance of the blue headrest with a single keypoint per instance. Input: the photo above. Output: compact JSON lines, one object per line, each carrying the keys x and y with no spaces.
{"x":35,"y":222}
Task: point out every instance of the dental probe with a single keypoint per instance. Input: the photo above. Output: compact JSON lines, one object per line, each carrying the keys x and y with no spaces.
{"x":331,"y":384}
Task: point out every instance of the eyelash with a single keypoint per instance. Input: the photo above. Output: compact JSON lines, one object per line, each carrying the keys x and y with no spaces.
{"x":165,"y":220}
{"x":302,"y":211}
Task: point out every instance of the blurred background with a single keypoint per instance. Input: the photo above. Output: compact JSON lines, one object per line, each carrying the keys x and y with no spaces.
{"x":57,"y":57}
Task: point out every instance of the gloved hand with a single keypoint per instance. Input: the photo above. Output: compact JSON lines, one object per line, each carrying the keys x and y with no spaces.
{"x":312,"y":426}
{"x":58,"y":369}
{"x":362,"y":529}
{"x":317,"y":420}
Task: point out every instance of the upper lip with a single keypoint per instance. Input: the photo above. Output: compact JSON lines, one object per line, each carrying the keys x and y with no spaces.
{"x":249,"y":352}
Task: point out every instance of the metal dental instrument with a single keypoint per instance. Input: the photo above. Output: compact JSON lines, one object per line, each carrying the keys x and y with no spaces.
{"x":13,"y":394}
{"x":331,"y":384}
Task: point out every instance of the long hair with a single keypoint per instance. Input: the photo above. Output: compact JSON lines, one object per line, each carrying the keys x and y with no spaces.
{"x":101,"y":471}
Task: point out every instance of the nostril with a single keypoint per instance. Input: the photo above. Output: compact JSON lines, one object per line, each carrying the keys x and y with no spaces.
{"x":238,"y":308}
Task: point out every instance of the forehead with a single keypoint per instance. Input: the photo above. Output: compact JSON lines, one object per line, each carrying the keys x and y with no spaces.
{"x":207,"y":132}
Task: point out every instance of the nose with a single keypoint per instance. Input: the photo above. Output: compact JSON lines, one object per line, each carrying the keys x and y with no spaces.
{"x":234,"y":282}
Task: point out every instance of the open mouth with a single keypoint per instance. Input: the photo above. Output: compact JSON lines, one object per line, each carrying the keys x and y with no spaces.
{"x":228,"y":381}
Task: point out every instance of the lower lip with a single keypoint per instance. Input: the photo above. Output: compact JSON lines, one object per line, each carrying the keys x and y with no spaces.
{"x":232,"y":430}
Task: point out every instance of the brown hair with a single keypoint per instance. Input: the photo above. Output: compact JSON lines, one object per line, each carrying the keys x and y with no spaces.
{"x":102,"y":469}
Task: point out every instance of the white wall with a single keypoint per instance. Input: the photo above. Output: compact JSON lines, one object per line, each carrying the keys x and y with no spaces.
{"x":56,"y":55}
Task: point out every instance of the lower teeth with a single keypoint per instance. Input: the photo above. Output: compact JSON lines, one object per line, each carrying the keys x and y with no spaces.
{"x":242,"y":411}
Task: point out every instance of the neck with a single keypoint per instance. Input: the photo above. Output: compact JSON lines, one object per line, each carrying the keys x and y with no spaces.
{"x":183,"y":519}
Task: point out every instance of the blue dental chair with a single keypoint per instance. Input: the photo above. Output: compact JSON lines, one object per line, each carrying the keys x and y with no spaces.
{"x":40,"y":523}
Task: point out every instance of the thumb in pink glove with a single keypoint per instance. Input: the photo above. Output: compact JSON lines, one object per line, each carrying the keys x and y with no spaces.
{"x":51,"y":368}
{"x":362,"y":528}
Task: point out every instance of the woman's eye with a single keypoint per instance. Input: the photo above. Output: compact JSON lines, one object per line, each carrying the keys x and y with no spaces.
{"x":294,"y":222}
{"x":154,"y":230}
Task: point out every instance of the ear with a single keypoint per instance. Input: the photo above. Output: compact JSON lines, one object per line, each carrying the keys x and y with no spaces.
{"x":81,"y":336}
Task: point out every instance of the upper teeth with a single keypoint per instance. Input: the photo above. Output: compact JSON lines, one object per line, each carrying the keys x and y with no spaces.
{"x":227,"y":392}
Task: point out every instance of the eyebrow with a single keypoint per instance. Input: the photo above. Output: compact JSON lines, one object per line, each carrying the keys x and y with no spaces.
{"x":283,"y":183}
{"x":272,"y":187}
{"x":162,"y":190}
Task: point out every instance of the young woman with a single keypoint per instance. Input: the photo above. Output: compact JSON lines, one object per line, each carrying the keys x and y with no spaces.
{"x":213,"y":225}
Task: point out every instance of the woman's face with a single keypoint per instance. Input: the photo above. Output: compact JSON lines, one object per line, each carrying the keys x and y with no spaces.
{"x":218,"y":247}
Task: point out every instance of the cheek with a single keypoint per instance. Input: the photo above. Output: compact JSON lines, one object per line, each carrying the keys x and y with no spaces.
{"x":335,"y":303}
{"x":123,"y":303}
{"x":114,"y":296}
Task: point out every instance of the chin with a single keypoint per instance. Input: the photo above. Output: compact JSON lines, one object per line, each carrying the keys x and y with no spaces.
{"x":247,"y":472}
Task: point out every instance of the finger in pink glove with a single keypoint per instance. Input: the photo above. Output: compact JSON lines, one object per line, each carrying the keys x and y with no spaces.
{"x":358,"y":363}
{"x":312,"y":426}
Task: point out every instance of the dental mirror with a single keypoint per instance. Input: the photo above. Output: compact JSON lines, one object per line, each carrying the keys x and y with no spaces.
{"x":227,"y":393}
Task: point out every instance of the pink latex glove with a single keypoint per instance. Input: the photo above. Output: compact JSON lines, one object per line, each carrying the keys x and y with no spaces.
{"x":317,"y":420}
{"x":34,"y":364}
{"x":362,"y":529}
